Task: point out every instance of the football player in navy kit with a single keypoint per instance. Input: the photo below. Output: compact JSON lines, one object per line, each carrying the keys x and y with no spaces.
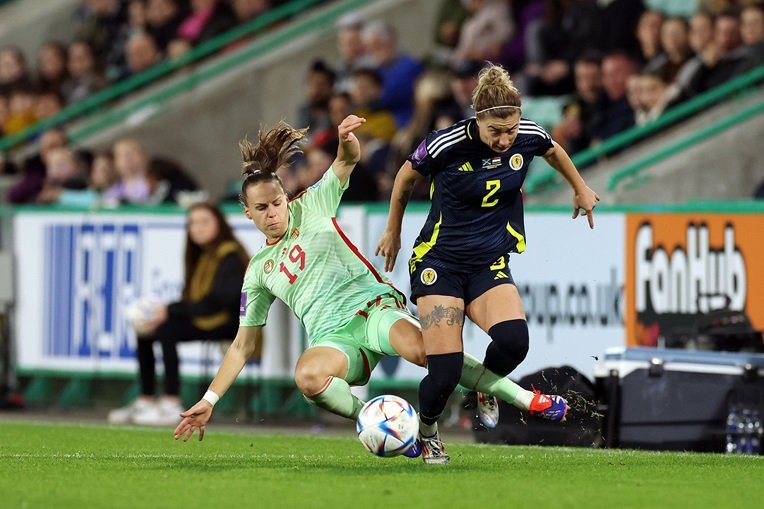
{"x":460,"y":261}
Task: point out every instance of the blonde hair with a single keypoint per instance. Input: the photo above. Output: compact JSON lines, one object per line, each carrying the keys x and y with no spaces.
{"x":495,"y":94}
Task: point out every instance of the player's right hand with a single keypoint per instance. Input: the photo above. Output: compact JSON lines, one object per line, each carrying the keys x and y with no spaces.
{"x":194,"y":418}
{"x":388,"y":246}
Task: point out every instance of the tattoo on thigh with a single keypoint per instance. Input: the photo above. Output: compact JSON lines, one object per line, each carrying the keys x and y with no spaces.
{"x":451,"y":314}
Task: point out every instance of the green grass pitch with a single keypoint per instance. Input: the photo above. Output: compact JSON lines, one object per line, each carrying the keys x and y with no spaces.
{"x":86,"y":466}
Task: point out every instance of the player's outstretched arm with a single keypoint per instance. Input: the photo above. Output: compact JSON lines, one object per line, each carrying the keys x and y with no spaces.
{"x":349,"y":150}
{"x":390,"y":242}
{"x":583,"y":197}
{"x":240,"y":351}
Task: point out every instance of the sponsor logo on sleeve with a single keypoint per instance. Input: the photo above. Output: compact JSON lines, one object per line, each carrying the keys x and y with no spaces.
{"x":243,"y":304}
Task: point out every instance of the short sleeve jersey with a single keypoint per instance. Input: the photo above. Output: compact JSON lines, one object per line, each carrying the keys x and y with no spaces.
{"x":476,"y":212}
{"x":313,"y":268}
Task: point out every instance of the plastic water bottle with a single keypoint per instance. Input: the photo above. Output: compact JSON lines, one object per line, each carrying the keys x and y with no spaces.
{"x":756,"y":432}
{"x":746,"y":429}
{"x":733,"y":417}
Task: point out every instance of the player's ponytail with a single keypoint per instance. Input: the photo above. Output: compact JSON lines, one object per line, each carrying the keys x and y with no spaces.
{"x":495,"y":95}
{"x":275,"y":148}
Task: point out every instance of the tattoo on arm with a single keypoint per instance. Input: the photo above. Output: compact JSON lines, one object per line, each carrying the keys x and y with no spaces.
{"x":403,"y":198}
{"x":451,"y":314}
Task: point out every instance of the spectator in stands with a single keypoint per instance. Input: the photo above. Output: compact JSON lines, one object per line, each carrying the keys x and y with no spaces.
{"x":163,"y":18}
{"x":366,"y":92}
{"x":84,"y":77}
{"x":102,"y":176}
{"x":675,"y":43}
{"x":167,"y":180}
{"x":13,"y":70}
{"x":649,"y":34}
{"x":351,"y":49}
{"x":34,"y":168}
{"x":340,"y":106}
{"x":432,"y":97}
{"x":101,"y":28}
{"x":575,"y":130}
{"x":215,"y":262}
{"x":51,"y":67}
{"x":700,"y":38}
{"x":655,"y":94}
{"x":486,"y":30}
{"x":464,"y":79}
{"x":48,"y":103}
{"x":21,"y":107}
{"x":399,"y":71}
{"x":132,"y":166}
{"x":208,"y":18}
{"x":614,"y":115}
{"x":450,"y":18}
{"x":142,"y":53}
{"x":752,"y":35}
{"x":528,"y":16}
{"x":64,"y":172}
{"x":721,"y":59}
{"x":314,"y":113}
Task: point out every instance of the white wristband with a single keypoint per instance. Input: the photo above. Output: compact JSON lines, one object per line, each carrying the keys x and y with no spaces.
{"x":210,"y":397}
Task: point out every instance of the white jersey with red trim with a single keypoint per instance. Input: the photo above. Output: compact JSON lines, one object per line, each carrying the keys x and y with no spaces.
{"x":313,"y":268}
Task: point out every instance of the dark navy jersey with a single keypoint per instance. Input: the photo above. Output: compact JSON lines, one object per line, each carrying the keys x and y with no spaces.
{"x":476,"y":213}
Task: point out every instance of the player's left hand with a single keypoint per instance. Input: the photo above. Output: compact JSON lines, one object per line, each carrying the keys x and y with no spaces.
{"x":585,"y":199}
{"x":350,"y":149}
{"x":194,"y":418}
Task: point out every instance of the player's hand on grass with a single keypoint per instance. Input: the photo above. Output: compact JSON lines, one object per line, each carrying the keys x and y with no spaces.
{"x":195,"y":418}
{"x":585,"y":199}
{"x":388,"y":246}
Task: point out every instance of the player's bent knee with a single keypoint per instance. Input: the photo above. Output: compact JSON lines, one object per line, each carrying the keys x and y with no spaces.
{"x":310,"y":378}
{"x":512,"y":338}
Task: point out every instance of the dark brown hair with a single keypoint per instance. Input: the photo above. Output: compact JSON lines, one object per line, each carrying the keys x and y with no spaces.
{"x":275,"y":148}
{"x":194,"y":251}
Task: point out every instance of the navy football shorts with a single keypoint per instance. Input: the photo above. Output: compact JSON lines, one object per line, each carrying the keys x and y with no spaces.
{"x":430,"y":279}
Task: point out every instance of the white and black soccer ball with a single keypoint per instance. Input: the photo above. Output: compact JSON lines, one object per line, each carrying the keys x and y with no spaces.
{"x":141,"y":313}
{"x":387,"y":425}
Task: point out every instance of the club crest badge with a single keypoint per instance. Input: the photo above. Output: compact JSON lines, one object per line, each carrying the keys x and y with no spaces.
{"x":268,"y":266}
{"x":516,"y":161}
{"x":428,"y":276}
{"x":295,"y":233}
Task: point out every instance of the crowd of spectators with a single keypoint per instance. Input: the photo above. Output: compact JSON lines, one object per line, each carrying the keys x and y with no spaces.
{"x":612,"y":64}
{"x":113,"y":39}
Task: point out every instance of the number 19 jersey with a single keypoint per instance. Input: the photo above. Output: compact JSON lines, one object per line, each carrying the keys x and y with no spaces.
{"x":313,"y":268}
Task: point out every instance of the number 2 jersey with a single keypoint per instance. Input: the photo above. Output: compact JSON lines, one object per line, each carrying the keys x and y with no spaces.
{"x":313,"y":268}
{"x":476,"y":212}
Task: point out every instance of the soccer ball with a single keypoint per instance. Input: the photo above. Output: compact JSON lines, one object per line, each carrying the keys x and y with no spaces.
{"x":141,"y":313}
{"x":387,"y":425}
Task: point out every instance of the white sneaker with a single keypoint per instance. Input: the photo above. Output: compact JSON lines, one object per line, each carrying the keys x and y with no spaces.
{"x":125,"y":414}
{"x":164,"y":413}
{"x":487,"y":410}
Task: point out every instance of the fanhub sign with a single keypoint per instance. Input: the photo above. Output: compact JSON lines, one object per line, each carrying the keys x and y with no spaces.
{"x":680,"y":266}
